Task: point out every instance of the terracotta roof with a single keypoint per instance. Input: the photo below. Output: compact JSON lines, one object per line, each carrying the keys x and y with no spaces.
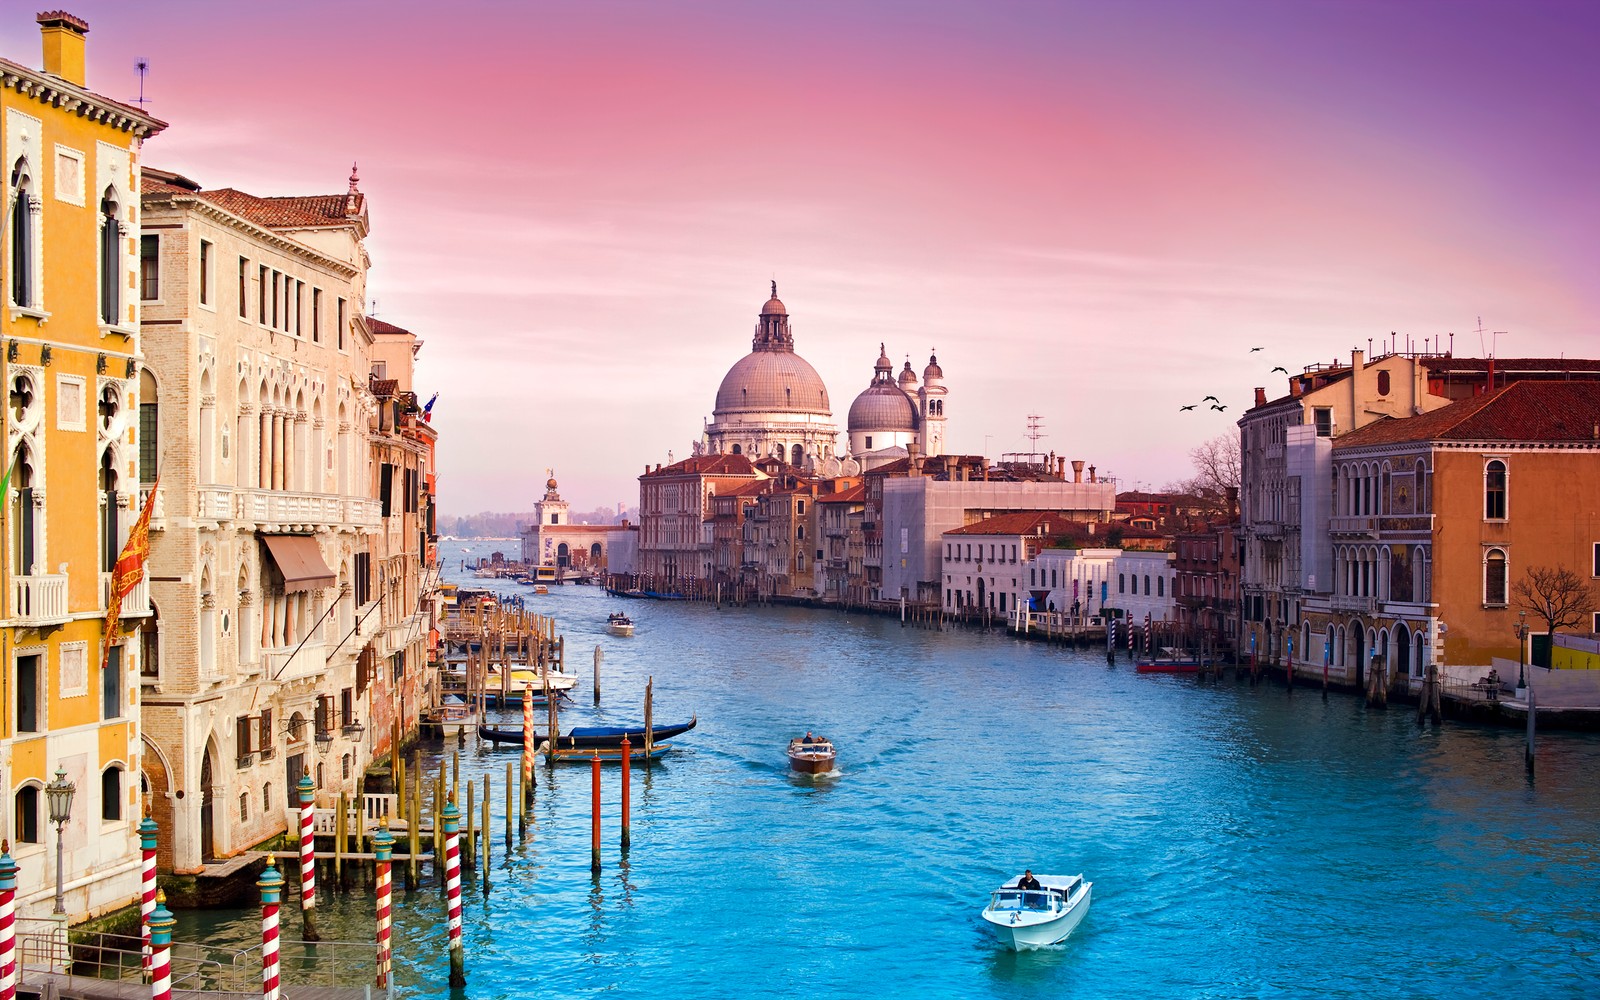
{"x":1025,"y":522}
{"x":1522,"y":411}
{"x":854,"y":494}
{"x":753,"y":488}
{"x":378,"y":326}
{"x":150,"y":185}
{"x":384,"y":386}
{"x":707,"y":465}
{"x":303,"y":212}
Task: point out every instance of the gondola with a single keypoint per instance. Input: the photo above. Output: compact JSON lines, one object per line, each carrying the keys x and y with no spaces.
{"x":590,"y":736}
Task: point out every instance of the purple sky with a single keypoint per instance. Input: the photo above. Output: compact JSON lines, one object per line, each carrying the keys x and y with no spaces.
{"x":1091,"y":210}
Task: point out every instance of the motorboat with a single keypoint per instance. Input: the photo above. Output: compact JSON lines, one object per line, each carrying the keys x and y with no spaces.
{"x":811,"y":754}
{"x":451,"y":719}
{"x":1025,"y":919}
{"x":619,"y":624}
{"x":522,"y":679}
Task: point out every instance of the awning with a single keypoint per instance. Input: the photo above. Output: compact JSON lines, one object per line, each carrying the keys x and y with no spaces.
{"x":300,"y":561}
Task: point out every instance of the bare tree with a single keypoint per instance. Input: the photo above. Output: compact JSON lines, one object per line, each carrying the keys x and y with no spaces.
{"x":1216,"y":467}
{"x":1556,"y":594}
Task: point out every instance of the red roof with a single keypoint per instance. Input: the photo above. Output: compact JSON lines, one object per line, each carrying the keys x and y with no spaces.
{"x":1025,"y":522}
{"x":302,"y":212}
{"x":707,"y":465}
{"x":1522,"y":411}
{"x":855,"y":494}
{"x":378,"y":326}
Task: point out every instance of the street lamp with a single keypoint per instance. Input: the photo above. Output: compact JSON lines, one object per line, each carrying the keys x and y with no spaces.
{"x":59,"y":794}
{"x":1522,"y":646}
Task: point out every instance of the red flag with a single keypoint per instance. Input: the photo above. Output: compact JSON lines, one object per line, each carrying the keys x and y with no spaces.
{"x":125,"y":575}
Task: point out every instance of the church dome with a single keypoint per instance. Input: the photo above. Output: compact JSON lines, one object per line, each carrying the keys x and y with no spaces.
{"x":933,"y":370}
{"x":774,"y":307}
{"x":772,"y":381}
{"x":908,"y":378}
{"x":883,"y":406}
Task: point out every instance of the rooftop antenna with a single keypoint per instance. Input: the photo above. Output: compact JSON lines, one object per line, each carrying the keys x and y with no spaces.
{"x":1035,"y":430}
{"x":141,"y":65}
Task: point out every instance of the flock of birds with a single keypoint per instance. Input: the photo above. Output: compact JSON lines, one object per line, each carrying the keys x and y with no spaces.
{"x":1219,"y":405}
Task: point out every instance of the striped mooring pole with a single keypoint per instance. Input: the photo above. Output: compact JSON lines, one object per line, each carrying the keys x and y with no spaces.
{"x":8,"y":923}
{"x":271,"y":886}
{"x":161,"y":924}
{"x":383,"y":851}
{"x":594,"y":813}
{"x":452,"y":875}
{"x":528,"y":748}
{"x":308,"y":861}
{"x":147,"y":896}
{"x":627,"y":752}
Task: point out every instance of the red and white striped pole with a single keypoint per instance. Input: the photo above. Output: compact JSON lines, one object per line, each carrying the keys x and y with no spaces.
{"x":627,"y":753}
{"x":271,"y":886}
{"x":147,"y":895}
{"x":594,"y":813}
{"x":528,"y":748}
{"x":8,"y":923}
{"x":308,"y":861}
{"x":161,"y":924}
{"x":452,"y":879}
{"x":382,"y":850}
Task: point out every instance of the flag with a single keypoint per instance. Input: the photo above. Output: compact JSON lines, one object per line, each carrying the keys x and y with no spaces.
{"x":5,"y":481}
{"x":129,"y":569}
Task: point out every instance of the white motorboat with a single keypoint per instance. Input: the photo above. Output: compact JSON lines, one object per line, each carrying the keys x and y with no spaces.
{"x":619,"y":624}
{"x":1024,"y":919}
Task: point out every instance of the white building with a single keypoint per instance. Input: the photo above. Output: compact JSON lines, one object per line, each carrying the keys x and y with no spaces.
{"x":894,"y":418}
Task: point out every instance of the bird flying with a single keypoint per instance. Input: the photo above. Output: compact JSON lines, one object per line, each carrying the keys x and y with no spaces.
{"x":1280,"y":368}
{"x":1189,"y":407}
{"x":1254,"y":349}
{"x":1217,"y":406}
{"x":1210,"y":399}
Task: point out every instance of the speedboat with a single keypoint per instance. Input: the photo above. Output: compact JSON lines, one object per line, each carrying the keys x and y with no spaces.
{"x":619,"y":624}
{"x":811,"y":754}
{"x":1024,"y":919}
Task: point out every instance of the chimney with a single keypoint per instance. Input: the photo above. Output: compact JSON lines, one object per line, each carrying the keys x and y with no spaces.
{"x":1357,"y":358}
{"x":1261,"y":395}
{"x":63,"y":45}
{"x":1092,"y":477}
{"x":1296,"y":387}
{"x":1077,"y":470}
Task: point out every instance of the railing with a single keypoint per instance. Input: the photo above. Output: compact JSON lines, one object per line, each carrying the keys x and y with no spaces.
{"x":1367,"y":526}
{"x":227,"y":503}
{"x":46,"y":957}
{"x":1352,"y":602}
{"x":292,"y":662}
{"x":40,"y":599}
{"x":158,"y":513}
{"x":135,"y":603}
{"x":215,"y":503}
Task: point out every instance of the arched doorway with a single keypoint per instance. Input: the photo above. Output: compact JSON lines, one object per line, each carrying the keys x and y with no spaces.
{"x":157,"y":789}
{"x":208,"y":827}
{"x":594,"y":555}
{"x":1404,"y":665}
{"x":563,"y":558}
{"x":982,"y":602}
{"x":1357,"y":651}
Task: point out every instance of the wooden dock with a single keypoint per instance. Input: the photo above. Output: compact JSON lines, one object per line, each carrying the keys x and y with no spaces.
{"x":47,"y":985}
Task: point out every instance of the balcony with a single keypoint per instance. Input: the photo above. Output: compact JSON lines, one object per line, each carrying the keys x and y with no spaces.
{"x":288,"y":663}
{"x":135,"y":603}
{"x":1353,"y":603}
{"x":39,"y":600}
{"x":276,"y":507}
{"x":1360,"y":527}
{"x":158,"y":512}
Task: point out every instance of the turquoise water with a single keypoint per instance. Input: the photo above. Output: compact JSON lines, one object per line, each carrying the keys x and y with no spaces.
{"x":1242,"y":841}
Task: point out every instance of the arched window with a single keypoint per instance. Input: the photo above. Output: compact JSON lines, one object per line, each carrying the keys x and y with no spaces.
{"x":737,"y":450}
{"x":1122,"y":583}
{"x":110,"y":531}
{"x":27,"y":813}
{"x":796,"y":454}
{"x":110,"y":259}
{"x":1160,"y":586}
{"x":148,"y":427}
{"x":1494,"y":578}
{"x":1147,"y":585}
{"x":800,"y":532}
{"x":24,"y":530}
{"x":111,"y":793}
{"x":150,"y":644}
{"x":594,"y":554}
{"x":22,"y":251}
{"x":244,"y":807}
{"x":1494,"y":491}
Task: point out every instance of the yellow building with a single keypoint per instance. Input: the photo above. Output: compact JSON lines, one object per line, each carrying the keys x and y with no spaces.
{"x":70,"y":267}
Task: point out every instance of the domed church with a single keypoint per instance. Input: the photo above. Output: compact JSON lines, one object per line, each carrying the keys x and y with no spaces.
{"x":772,"y":402}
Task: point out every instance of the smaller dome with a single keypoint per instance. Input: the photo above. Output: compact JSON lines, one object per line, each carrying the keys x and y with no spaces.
{"x":933,"y":370}
{"x":774,"y":307}
{"x":550,"y":483}
{"x":882,"y":406}
{"x":883,"y":365}
{"x":908,"y":378}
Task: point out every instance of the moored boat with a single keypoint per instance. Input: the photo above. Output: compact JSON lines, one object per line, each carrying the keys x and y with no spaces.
{"x":1170,"y":664}
{"x":619,"y":624}
{"x":811,"y":754}
{"x":591,"y":736}
{"x":1024,"y":919}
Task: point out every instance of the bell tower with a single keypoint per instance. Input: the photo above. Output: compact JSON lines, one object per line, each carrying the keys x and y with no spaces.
{"x":552,"y":509}
{"x":931,"y":399}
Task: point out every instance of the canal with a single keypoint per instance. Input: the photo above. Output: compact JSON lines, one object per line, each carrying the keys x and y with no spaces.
{"x":1242,"y":841}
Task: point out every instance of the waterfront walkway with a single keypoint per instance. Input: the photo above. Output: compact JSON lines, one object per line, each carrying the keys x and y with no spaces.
{"x":44,"y":985}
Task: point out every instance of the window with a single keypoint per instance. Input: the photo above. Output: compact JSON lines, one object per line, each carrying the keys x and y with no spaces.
{"x":28,"y":703}
{"x":149,"y":427}
{"x":244,"y":807}
{"x":339,"y":319}
{"x":316,"y":315}
{"x":1494,"y":491}
{"x":385,"y":487}
{"x":363,"y":578}
{"x":1122,"y":583}
{"x":111,"y":793}
{"x":380,"y":369}
{"x":1383,"y":383}
{"x":276,"y":278}
{"x":110,"y":260}
{"x":244,"y":288}
{"x":1147,"y":585}
{"x":207,"y":255}
{"x":261,"y":295}
{"x":241,"y":740}
{"x":28,"y":815}
{"x":1160,"y":583}
{"x":1323,"y":417}
{"x":264,"y":738}
{"x":1597,"y":563}
{"x":869,"y":442}
{"x":111,"y":685}
{"x":324,"y":721}
{"x":22,"y":251}
{"x":347,"y":707}
{"x":298,"y":312}
{"x":1494,"y":578}
{"x":149,"y":267}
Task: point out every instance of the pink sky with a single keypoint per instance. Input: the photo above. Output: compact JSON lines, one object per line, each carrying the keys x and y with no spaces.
{"x":1092,"y":211}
